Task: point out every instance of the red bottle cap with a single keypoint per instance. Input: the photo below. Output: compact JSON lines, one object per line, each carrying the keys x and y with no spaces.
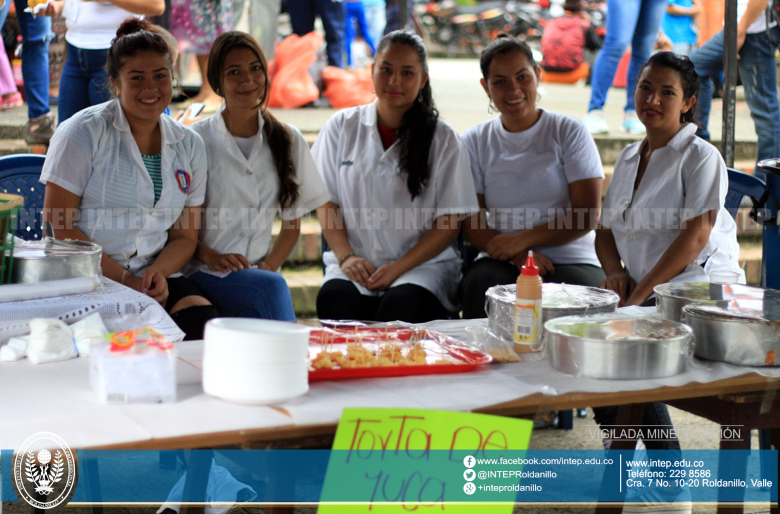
{"x":530,"y":268}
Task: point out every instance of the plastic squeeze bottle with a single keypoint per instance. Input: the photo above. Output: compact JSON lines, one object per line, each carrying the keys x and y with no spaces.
{"x":528,"y":308}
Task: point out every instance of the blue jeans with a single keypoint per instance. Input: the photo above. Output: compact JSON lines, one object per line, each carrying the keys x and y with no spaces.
{"x":333,"y":15}
{"x":355,"y":13}
{"x":628,"y":21}
{"x":249,"y":293}
{"x":36,"y":34}
{"x":84,"y":81}
{"x":759,"y":77}
{"x":376,"y":18}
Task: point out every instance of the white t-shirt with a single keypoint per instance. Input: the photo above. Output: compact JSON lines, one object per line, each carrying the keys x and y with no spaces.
{"x":759,"y":25}
{"x":683,"y":180}
{"x":94,"y":155}
{"x":92,"y":25}
{"x":382,"y":221}
{"x":242,"y":198}
{"x":525,"y":176}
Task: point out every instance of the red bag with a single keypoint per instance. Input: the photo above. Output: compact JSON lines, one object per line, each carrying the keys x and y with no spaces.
{"x":292,"y":85}
{"x":345,"y":88}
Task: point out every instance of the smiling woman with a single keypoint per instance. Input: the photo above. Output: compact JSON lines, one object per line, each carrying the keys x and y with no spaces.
{"x":133,"y":181}
{"x":398,"y":182}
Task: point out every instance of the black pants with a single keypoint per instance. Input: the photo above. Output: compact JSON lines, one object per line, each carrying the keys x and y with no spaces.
{"x":486,"y":273}
{"x":191,"y":320}
{"x":340,"y":299}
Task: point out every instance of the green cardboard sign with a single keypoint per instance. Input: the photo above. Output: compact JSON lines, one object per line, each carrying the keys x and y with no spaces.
{"x":401,"y":460}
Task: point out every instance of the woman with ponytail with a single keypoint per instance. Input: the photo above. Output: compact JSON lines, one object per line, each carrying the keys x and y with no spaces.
{"x":399,"y":183}
{"x":133,"y":181}
{"x":258,"y":167}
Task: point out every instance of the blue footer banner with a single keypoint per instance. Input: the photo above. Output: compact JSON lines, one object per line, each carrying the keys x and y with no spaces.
{"x":389,"y":475}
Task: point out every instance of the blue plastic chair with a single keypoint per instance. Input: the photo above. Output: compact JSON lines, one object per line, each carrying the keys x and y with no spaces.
{"x":19,"y":175}
{"x":740,"y":186}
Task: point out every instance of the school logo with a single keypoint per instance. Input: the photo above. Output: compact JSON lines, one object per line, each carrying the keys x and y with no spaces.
{"x":183,"y":179}
{"x":44,"y":471}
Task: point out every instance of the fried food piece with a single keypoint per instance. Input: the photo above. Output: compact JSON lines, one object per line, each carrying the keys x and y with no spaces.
{"x":771,"y":355}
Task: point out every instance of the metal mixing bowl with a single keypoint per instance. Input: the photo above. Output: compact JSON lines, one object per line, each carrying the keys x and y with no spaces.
{"x":557,"y":300}
{"x":672,"y":297}
{"x":617,"y":346}
{"x":746,"y":337}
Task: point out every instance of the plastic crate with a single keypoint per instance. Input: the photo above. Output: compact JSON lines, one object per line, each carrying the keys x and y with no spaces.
{"x":9,"y":210}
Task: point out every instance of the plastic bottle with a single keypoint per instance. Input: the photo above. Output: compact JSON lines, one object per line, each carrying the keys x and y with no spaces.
{"x":528,"y":308}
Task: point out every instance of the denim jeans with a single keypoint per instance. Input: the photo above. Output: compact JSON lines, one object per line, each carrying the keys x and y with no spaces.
{"x":249,"y":293}
{"x":36,"y":34}
{"x":628,"y":21}
{"x":376,"y":18}
{"x":756,"y":65}
{"x":84,"y":81}
{"x":333,"y":14}
{"x":356,"y":14}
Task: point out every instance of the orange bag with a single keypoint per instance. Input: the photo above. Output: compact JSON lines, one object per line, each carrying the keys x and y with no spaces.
{"x":292,"y":85}
{"x":345,"y":88}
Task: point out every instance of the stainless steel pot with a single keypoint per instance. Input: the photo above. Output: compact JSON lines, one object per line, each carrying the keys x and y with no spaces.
{"x":616,"y":346}
{"x":746,"y":337}
{"x":557,"y":300}
{"x":672,"y":297}
{"x":50,"y":259}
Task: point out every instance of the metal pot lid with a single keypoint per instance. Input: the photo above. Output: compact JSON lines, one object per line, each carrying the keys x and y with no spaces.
{"x":560,"y":296}
{"x":738,"y":295}
{"x":618,"y":328}
{"x":49,"y":248}
{"x":771,"y":312}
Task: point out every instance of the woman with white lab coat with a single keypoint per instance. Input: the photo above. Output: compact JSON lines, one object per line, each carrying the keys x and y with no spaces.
{"x":399,"y":184}
{"x":133,"y":181}
{"x":258,"y":167}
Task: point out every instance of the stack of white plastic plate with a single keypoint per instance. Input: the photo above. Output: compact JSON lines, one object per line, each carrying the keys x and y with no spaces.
{"x":255,"y":361}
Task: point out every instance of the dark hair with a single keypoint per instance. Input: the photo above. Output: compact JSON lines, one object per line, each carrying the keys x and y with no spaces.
{"x":688,"y":77}
{"x":418,"y":125}
{"x":276,"y":133}
{"x":502,"y":45}
{"x":134,"y":36}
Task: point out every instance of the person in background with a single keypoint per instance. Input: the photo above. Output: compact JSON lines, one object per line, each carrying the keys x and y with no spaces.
{"x":525,"y":163}
{"x":565,"y":38}
{"x":258,"y":167}
{"x":356,"y":15}
{"x":91,"y":28}
{"x":679,"y":25}
{"x":628,"y":21}
{"x":132,"y":180}
{"x":10,"y":97}
{"x":399,"y":184}
{"x":673,"y":171}
{"x":333,"y":14}
{"x":376,"y":18}
{"x":756,"y":45}
{"x":36,"y":35}
{"x":196,"y":24}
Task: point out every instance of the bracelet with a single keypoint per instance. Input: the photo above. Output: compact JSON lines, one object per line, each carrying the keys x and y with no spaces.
{"x":122,"y":280}
{"x":343,"y":259}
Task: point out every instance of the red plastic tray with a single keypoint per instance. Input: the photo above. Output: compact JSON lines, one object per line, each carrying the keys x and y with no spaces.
{"x":437,"y":346}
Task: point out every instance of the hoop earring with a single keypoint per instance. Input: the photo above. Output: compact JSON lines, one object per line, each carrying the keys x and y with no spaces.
{"x":373,"y":92}
{"x":420,"y":96}
{"x":491,"y":108}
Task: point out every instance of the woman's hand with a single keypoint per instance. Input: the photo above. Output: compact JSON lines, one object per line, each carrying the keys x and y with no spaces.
{"x":384,"y":277}
{"x":152,"y":283}
{"x":184,"y":117}
{"x":54,"y":9}
{"x":543,"y":263}
{"x":623,"y":285}
{"x":358,"y":269}
{"x":263,"y":266}
{"x":504,"y":247}
{"x":226,"y":262}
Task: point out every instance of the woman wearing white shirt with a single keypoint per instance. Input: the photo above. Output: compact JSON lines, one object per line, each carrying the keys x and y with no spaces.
{"x":258,"y":166}
{"x":538,"y":178}
{"x":664,"y":218}
{"x":399,"y":184}
{"x":133,"y":181}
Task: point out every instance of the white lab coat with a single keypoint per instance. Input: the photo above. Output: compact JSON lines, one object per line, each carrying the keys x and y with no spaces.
{"x":93,"y":155}
{"x":382,"y":221}
{"x":242,"y":197}
{"x":683,"y":180}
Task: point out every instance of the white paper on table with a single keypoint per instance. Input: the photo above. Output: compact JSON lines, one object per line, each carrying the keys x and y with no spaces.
{"x":19,"y":292}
